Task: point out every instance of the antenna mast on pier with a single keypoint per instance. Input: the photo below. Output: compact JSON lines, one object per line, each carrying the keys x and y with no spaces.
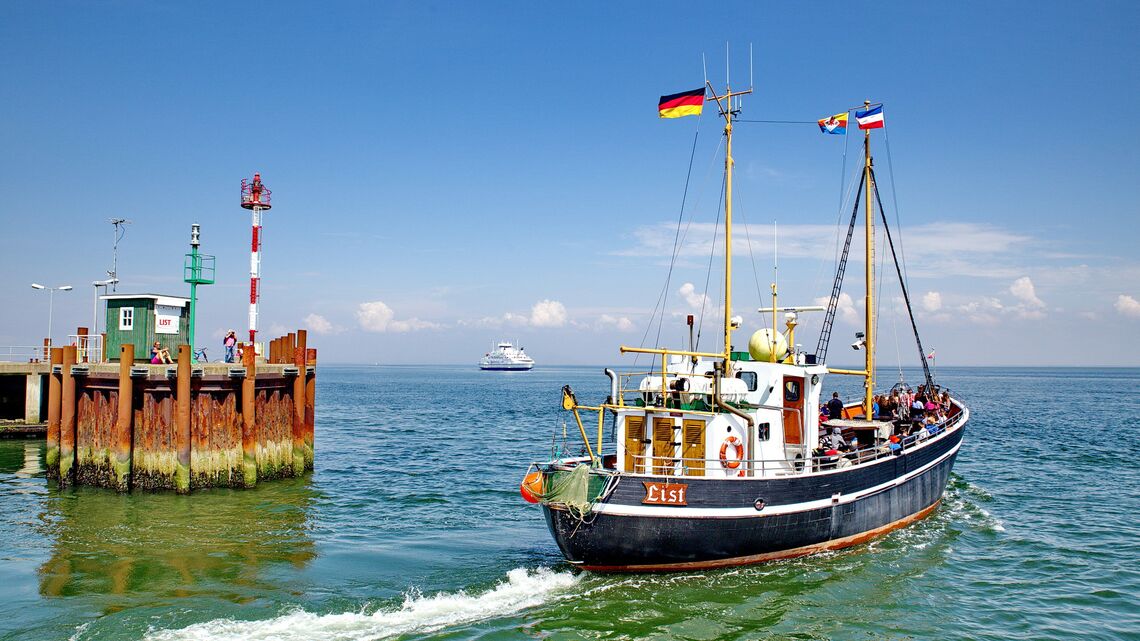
{"x":120,"y":225}
{"x":254,"y":197}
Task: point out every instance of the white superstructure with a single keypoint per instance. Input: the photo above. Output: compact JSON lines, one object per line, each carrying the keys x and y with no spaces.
{"x":506,"y":356}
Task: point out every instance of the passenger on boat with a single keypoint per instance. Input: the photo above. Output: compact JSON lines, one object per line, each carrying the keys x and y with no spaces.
{"x":835,"y":407}
{"x":835,"y":441}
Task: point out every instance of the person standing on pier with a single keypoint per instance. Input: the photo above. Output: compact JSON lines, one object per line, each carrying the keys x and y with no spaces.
{"x":229,"y":342}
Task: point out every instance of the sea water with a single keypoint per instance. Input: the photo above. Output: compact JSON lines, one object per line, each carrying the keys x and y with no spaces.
{"x":412,"y":527}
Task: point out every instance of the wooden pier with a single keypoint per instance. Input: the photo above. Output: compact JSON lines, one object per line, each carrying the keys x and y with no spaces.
{"x":132,"y":426}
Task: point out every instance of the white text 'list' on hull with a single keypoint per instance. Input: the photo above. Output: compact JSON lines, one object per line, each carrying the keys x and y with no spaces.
{"x":722,"y":457}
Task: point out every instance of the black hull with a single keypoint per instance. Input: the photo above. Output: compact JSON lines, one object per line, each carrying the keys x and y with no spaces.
{"x":720,"y":527}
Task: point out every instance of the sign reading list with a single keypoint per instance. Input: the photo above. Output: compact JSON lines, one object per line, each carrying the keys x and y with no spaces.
{"x":665,"y":493}
{"x":166,"y":319}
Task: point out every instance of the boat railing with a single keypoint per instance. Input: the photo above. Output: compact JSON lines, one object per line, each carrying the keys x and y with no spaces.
{"x":654,"y":464}
{"x":675,"y":395}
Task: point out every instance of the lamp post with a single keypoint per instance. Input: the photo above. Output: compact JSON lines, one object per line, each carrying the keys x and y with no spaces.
{"x":51,"y":303}
{"x":95,"y":306}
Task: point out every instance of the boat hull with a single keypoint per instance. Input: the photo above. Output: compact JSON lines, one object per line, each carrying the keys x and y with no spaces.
{"x":800,"y":515}
{"x":506,"y":368}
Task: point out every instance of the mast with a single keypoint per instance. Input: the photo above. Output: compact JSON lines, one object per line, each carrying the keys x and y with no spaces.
{"x":728,"y":113}
{"x":869,"y":369}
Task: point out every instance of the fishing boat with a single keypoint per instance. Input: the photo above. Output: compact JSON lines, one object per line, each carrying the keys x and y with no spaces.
{"x":721,"y":458}
{"x":505,"y":356}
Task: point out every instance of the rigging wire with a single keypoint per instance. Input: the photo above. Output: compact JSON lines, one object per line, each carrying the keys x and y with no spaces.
{"x":895,"y":199}
{"x":781,"y":122}
{"x":708,"y":271}
{"x":677,"y":236}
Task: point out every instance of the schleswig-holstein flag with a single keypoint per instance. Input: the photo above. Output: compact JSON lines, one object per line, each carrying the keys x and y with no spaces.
{"x":871,"y":118}
{"x":686,"y":103}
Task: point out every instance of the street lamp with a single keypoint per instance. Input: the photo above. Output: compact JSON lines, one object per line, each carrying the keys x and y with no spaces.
{"x":51,"y":303}
{"x":95,"y":307}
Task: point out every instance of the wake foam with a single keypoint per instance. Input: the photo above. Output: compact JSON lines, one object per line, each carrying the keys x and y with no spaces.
{"x":522,"y":589}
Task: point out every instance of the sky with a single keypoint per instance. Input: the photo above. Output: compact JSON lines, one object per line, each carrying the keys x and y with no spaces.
{"x":448,"y":174}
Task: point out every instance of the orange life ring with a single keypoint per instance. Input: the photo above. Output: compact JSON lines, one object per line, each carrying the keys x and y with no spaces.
{"x":733,"y":463}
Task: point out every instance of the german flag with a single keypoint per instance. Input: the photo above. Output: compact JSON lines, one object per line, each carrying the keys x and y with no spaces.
{"x":686,"y":103}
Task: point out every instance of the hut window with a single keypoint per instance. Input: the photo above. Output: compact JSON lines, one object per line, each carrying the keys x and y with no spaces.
{"x":126,"y":318}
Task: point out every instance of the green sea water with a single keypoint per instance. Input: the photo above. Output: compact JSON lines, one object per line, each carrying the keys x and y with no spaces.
{"x":411,"y":527}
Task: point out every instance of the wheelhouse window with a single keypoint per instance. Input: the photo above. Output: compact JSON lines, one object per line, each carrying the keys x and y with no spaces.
{"x":126,"y":318}
{"x":792,"y":391}
{"x":750,"y":379}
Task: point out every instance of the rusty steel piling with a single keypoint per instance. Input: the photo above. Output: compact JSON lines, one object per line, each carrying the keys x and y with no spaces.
{"x":301,"y":363}
{"x":120,"y":464}
{"x":249,"y":418}
{"x":310,"y":405}
{"x":54,"y":385}
{"x":182,"y":421}
{"x":67,"y":419}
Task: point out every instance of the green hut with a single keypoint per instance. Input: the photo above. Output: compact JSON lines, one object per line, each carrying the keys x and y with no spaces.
{"x":143,"y":319}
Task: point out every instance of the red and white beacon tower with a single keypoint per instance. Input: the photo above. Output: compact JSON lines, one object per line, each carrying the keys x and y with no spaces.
{"x":254,"y":197}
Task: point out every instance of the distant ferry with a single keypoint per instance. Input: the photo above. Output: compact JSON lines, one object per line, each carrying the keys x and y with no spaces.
{"x":506,"y":356}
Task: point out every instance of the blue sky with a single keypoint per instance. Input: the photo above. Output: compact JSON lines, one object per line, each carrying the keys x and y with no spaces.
{"x":447,"y":174}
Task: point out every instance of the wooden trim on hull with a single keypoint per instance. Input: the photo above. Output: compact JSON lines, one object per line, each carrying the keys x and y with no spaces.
{"x":833,"y":544}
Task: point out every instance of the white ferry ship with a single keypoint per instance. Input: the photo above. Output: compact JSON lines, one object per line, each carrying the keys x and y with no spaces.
{"x":506,"y":356}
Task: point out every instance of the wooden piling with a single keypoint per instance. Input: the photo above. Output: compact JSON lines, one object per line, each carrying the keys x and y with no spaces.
{"x":54,"y":384}
{"x":249,"y":418}
{"x":121,"y":434}
{"x":310,"y":407}
{"x":67,"y":419}
{"x":182,"y":421}
{"x":299,"y":360}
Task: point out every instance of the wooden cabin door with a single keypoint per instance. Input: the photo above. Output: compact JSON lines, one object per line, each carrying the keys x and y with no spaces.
{"x":664,"y":448}
{"x":634,"y":443}
{"x":793,"y":410}
{"x":693,"y":447}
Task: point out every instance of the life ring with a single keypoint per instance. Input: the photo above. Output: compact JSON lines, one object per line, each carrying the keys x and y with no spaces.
{"x":733,"y":463}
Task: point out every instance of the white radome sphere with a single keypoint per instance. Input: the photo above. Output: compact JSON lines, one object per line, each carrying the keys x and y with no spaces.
{"x":760,"y":345}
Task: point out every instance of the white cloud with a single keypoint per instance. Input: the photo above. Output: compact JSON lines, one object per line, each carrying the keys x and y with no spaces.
{"x":548,"y":313}
{"x":1128,"y":306}
{"x":620,"y":322}
{"x":377,"y":317}
{"x":932,"y":301}
{"x":318,"y":324}
{"x":1023,"y":290}
{"x":544,"y":313}
{"x":693,"y":299}
{"x":845,"y":309}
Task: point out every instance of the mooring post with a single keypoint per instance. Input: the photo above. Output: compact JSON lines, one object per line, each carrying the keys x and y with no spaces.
{"x":182,"y":421}
{"x":67,"y":419}
{"x":249,"y":418}
{"x":310,"y":407}
{"x":121,"y":437}
{"x":54,"y":384}
{"x":299,"y":354}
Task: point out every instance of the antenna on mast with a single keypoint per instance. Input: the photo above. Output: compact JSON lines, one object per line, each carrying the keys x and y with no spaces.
{"x":727,"y":76}
{"x":750,"y":84}
{"x":120,"y":225}
{"x":705,"y":68}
